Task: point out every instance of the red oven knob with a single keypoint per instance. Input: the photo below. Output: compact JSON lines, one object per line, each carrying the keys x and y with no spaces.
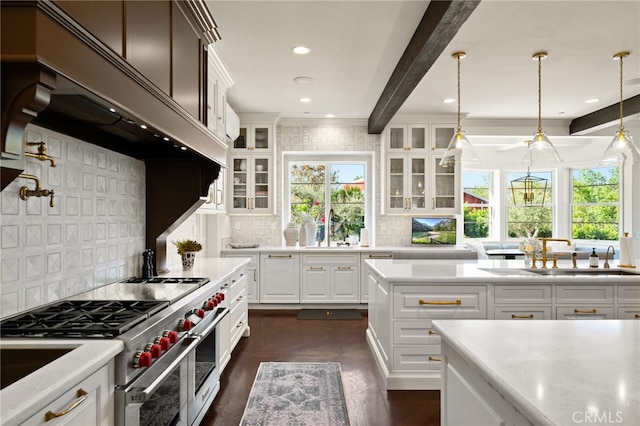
{"x":211,"y":304}
{"x":199,"y":312}
{"x":142,"y":359}
{"x":154,"y":349}
{"x":171,"y":335}
{"x":163,"y":342}
{"x":185,"y":325}
{"x":221,"y":296}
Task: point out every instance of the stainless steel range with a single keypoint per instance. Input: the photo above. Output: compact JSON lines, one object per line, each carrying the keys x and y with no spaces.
{"x":168,"y":373}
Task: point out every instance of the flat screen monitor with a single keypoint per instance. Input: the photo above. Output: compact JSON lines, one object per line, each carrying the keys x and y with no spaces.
{"x":433,"y":231}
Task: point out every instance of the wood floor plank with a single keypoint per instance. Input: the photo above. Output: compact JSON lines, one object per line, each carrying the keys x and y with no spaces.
{"x":280,"y":336}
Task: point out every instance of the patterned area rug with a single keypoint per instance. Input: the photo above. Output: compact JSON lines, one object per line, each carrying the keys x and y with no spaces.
{"x":297,"y":393}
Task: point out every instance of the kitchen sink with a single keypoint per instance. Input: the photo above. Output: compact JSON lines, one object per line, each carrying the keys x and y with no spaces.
{"x":582,"y":272}
{"x":18,"y":363}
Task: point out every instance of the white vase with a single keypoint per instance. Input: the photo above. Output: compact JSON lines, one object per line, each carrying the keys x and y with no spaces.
{"x":290,"y":234}
{"x":311,"y":229}
{"x":302,"y":235}
{"x":188,"y":259}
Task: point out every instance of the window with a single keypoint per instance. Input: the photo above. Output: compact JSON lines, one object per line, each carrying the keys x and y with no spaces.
{"x":595,"y":204}
{"x":477,"y":208}
{"x":335,"y":191}
{"x":537,"y":219}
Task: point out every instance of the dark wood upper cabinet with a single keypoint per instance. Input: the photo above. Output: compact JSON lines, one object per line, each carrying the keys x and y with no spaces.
{"x":148,"y":40}
{"x":185,"y":64}
{"x":103,"y":19}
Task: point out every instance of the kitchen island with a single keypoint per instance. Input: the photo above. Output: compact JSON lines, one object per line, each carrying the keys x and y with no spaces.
{"x":540,"y":372}
{"x":405,"y":296}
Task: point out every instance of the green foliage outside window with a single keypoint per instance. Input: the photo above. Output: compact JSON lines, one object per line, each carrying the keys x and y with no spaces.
{"x":523,"y":221}
{"x":595,"y":207}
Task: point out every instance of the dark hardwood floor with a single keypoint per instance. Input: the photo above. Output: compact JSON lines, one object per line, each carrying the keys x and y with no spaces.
{"x":280,"y":336}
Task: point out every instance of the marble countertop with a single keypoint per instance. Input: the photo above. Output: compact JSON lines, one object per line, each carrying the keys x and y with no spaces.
{"x":348,"y":249}
{"x":214,"y":268}
{"x":489,"y":271}
{"x":24,"y":397}
{"x":555,"y":371}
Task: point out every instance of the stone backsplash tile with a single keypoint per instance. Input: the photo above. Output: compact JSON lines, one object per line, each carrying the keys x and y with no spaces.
{"x":92,"y":236}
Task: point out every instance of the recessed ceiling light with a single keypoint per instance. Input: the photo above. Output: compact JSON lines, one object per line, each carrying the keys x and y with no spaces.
{"x":303,"y":80}
{"x":329,"y":115}
{"x":448,"y":101}
{"x":591,"y":101}
{"x":301,"y":50}
{"x":305,"y":100}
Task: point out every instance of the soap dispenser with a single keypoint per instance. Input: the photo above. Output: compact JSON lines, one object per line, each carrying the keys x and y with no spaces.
{"x":593,"y":259}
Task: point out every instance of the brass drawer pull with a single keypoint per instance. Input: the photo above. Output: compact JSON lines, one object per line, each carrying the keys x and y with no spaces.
{"x":316,"y":268}
{"x":530,"y":316}
{"x":437,"y":302}
{"x":580,"y":311}
{"x":431,"y":358}
{"x":431,"y":332}
{"x":280,"y":256}
{"x":380,"y":256}
{"x":81,"y":394}
{"x":344,"y":268}
{"x":637,"y":316}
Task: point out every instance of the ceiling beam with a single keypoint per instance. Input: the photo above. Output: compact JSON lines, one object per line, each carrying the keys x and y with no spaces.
{"x":440,"y":23}
{"x":605,"y":117}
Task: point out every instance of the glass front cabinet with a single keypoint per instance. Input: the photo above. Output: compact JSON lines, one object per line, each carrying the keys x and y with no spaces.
{"x":415,"y":183}
{"x":254,"y":138}
{"x":251,"y":184}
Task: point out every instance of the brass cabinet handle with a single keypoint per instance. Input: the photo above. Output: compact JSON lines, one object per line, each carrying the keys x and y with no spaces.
{"x":637,"y":316}
{"x":530,"y":316}
{"x":380,"y":256}
{"x":81,"y":394}
{"x":316,"y":268}
{"x":432,"y":358}
{"x":438,"y":302}
{"x":279,"y":256}
{"x":344,"y":268}
{"x":433,"y":332}
{"x":581,"y":311}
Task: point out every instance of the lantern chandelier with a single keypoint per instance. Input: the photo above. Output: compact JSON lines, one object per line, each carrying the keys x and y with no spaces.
{"x":531,"y":187}
{"x":541,"y":150}
{"x":459,"y":148}
{"x":622,"y":141}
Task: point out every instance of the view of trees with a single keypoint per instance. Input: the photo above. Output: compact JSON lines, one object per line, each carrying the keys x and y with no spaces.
{"x":308,"y":183}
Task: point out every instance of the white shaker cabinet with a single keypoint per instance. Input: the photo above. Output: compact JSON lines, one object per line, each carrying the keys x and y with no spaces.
{"x":279,"y":278}
{"x":251,"y":184}
{"x":330,"y":278}
{"x":253,"y":273}
{"x":235,"y":324}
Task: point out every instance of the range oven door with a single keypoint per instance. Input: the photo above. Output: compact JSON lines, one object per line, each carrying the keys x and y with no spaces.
{"x":158,"y":397}
{"x":204,"y":369}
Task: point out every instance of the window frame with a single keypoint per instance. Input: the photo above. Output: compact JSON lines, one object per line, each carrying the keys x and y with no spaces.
{"x":491,"y":205}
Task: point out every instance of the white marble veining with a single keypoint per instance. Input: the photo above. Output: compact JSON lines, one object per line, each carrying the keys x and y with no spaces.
{"x":30,"y":394}
{"x":556,"y":372}
{"x":214,"y":268}
{"x":488,"y":271}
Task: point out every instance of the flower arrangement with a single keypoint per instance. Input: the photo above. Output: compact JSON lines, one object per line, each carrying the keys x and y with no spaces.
{"x":531,"y":244}
{"x":184,"y":246}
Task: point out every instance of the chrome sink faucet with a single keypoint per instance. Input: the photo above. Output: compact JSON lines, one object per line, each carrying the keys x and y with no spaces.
{"x":606,"y":256}
{"x":544,"y":248}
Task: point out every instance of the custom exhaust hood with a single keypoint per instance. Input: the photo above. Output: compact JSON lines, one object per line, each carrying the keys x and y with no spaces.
{"x":57,"y":75}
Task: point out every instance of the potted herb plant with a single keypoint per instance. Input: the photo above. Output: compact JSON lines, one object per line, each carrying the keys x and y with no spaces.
{"x":188,"y":249}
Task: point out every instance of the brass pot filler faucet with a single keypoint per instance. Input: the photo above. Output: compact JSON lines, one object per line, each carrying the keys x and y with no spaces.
{"x":25,"y":192}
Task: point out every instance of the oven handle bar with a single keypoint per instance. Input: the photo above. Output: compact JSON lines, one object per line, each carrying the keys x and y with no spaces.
{"x":136,"y":395}
{"x":213,"y":325}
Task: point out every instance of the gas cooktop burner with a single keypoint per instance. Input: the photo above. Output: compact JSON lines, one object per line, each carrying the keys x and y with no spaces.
{"x":83,"y":319}
{"x":167,"y":280}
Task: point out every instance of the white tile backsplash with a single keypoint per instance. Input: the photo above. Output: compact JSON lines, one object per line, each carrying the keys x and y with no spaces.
{"x":92,"y":236}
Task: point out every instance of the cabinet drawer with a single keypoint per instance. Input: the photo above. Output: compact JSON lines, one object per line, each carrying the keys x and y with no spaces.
{"x":414,"y":332}
{"x":629,"y":313}
{"x":416,"y":358}
{"x":584,"y":293}
{"x":585,"y":312}
{"x":440,"y":302}
{"x":325,"y":260}
{"x":523,"y":313}
{"x":629,"y":294}
{"x":522,"y":294}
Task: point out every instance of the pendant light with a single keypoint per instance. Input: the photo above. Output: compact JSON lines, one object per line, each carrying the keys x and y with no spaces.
{"x":459,"y":149}
{"x":541,"y":150}
{"x":622,"y":141}
{"x":528,"y":186}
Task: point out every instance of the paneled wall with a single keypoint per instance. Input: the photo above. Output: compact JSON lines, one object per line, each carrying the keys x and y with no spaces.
{"x":93,"y":235}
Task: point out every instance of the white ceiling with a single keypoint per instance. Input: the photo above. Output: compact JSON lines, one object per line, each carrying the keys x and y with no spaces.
{"x":355,"y":46}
